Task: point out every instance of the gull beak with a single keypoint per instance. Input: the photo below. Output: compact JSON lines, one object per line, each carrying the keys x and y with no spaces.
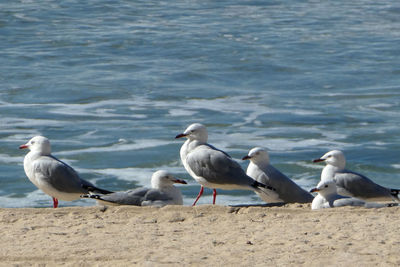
{"x":180,"y":135}
{"x":318,"y":160}
{"x":23,"y":146}
{"x":178,"y":181}
{"x":314,"y":190}
{"x":246,"y":158}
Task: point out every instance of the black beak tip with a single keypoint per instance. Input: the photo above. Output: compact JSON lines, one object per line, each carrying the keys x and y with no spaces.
{"x":180,"y":136}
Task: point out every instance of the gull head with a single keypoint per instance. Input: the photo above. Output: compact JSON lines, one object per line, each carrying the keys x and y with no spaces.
{"x":38,"y":144}
{"x":257,"y":155}
{"x":162,"y":178}
{"x":325,"y":188}
{"x":335,"y":158}
{"x":195,"y":131}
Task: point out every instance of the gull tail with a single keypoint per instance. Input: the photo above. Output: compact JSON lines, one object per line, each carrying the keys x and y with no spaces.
{"x":395,"y":194}
{"x":93,"y":189}
{"x":91,"y":196}
{"x":258,"y":185}
{"x":266,"y":192}
{"x":374,"y":205}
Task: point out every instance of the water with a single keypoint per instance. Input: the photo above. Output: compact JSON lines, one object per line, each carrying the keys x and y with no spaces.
{"x":112,"y":82}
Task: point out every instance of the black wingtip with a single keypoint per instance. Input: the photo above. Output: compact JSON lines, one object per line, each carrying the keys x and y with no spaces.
{"x":395,"y":193}
{"x":96,"y":189}
{"x":258,"y":184}
{"x":91,"y":196}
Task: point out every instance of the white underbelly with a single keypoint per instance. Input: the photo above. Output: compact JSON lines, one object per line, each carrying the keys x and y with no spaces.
{"x":343,"y":192}
{"x":51,"y":191}
{"x":207,"y":184}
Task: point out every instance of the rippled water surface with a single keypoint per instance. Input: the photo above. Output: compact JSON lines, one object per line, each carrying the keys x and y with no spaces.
{"x":112,"y":82}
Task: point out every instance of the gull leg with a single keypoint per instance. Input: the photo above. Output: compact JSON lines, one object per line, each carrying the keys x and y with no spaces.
{"x":55,"y":202}
{"x":199,"y":195}
{"x":214,"y":195}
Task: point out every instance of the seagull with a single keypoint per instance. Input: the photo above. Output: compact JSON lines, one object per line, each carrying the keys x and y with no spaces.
{"x":162,"y":192}
{"x":214,"y":168}
{"x":328,"y":198}
{"x":353,"y":184}
{"x":262,"y":171}
{"x":51,"y":175}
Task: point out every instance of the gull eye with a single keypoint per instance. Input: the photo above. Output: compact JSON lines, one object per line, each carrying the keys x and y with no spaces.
{"x":326,"y":186}
{"x":32,"y":142}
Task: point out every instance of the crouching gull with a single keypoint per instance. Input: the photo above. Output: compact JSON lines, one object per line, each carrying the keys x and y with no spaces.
{"x":328,"y":198}
{"x":162,"y":192}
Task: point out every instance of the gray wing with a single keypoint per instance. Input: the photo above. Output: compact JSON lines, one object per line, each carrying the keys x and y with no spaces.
{"x":357,"y":202}
{"x":130,"y":197}
{"x":216,"y":167}
{"x":58,"y":174}
{"x":154,"y":195}
{"x":359,"y":186}
{"x":288,"y":190}
{"x":347,"y":201}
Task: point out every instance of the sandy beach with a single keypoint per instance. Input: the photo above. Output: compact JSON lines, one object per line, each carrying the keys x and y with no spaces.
{"x":203,"y":235}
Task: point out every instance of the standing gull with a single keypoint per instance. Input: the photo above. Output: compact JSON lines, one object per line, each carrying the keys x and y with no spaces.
{"x":162,"y":192}
{"x":351,"y":183}
{"x":261,"y":170}
{"x":214,"y":168}
{"x":53,"y":176}
{"x":328,"y":198}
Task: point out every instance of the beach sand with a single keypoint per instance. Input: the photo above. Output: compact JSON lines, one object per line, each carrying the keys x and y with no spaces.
{"x":198,"y":236}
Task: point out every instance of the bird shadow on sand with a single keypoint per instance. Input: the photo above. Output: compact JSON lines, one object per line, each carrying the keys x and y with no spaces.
{"x":267,"y":205}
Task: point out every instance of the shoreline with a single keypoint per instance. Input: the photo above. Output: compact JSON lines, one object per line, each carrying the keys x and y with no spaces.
{"x":184,"y":235}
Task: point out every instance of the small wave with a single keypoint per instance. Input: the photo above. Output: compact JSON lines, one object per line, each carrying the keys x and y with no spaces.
{"x":139,"y":144}
{"x":396,"y":166}
{"x":4,"y":158}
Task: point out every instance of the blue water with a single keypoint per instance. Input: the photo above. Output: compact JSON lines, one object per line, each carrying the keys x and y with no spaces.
{"x":112,"y":82}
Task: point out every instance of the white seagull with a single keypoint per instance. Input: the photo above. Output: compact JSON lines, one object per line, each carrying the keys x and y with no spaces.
{"x":213,"y":168}
{"x":162,"y":192}
{"x":51,"y":175}
{"x":328,"y":198}
{"x":262,"y":171}
{"x":353,"y":184}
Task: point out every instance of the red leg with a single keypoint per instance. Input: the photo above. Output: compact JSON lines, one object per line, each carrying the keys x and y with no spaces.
{"x":55,"y":202}
{"x":214,"y":195}
{"x":199,"y":195}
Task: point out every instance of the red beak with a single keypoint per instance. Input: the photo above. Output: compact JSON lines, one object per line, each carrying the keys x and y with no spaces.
{"x":23,"y":146}
{"x":180,"y":181}
{"x":180,"y":135}
{"x":314,"y":190}
{"x":318,"y":160}
{"x":246,"y":157}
